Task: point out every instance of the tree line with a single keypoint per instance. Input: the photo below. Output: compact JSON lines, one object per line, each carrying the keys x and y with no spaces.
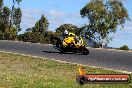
{"x":104,"y":17}
{"x":10,"y":19}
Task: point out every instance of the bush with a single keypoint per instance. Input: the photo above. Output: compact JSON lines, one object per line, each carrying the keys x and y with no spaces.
{"x":24,"y":37}
{"x":1,"y":36}
{"x":9,"y":34}
{"x":20,"y":37}
{"x":96,"y":45}
{"x":36,"y":37}
{"x":33,"y":37}
{"x":124,"y":47}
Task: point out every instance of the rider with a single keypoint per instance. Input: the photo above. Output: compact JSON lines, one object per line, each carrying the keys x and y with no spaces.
{"x":69,"y":38}
{"x":60,"y":39}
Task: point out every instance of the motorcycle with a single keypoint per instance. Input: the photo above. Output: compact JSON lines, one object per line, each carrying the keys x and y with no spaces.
{"x":71,"y":43}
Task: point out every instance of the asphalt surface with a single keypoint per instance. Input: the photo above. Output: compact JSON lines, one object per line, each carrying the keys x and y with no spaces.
{"x":111,"y":59}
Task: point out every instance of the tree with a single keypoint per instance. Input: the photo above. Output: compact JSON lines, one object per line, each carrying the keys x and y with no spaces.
{"x":69,"y":27}
{"x":18,"y":1}
{"x":6,"y":15}
{"x":103,"y":18}
{"x":17,"y":15}
{"x":40,"y":26}
{"x":38,"y":33}
{"x":43,"y":22}
{"x":1,"y":4}
{"x":7,"y":28}
{"x":4,"y":19}
{"x":7,"y":18}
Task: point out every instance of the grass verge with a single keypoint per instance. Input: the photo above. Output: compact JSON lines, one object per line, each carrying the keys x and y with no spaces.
{"x":17,"y":71}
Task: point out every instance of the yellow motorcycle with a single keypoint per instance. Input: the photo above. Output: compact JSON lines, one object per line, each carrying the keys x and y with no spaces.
{"x":71,"y":43}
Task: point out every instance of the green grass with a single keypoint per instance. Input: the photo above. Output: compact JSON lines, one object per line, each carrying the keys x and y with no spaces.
{"x":18,"y":71}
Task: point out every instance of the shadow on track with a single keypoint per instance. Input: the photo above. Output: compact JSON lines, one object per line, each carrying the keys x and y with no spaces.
{"x":61,"y":53}
{"x":50,"y":52}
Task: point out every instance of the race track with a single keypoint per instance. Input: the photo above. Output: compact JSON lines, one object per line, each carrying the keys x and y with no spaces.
{"x":118,"y":60}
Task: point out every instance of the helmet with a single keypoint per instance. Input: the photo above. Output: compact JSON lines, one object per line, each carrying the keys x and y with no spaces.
{"x":66,"y":32}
